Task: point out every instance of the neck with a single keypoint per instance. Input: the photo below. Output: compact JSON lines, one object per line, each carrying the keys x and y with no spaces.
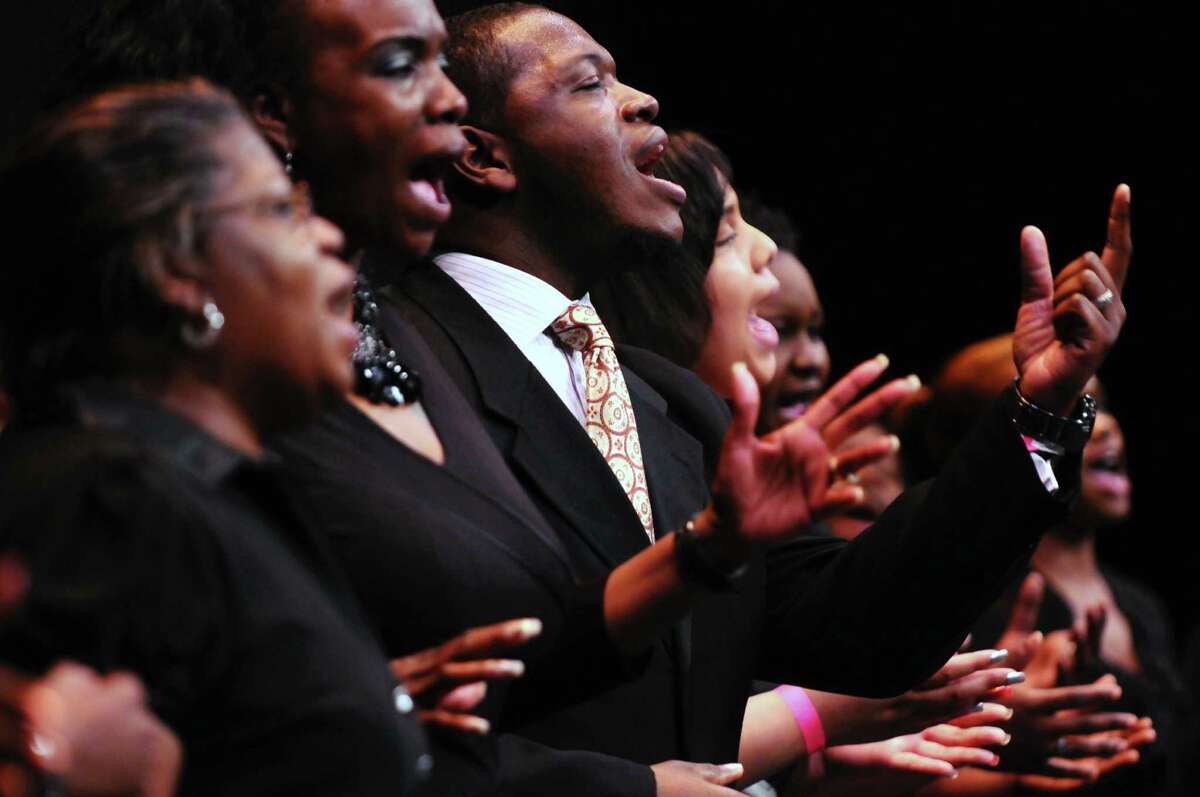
{"x":212,"y":409}
{"x":1069,"y":556}
{"x":563,"y":264}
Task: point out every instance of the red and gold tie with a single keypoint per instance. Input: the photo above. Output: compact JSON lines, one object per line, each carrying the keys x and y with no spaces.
{"x":608,"y":413}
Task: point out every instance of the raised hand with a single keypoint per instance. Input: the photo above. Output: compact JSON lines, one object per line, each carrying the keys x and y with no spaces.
{"x":447,"y":682}
{"x":685,"y":779}
{"x":770,"y":487}
{"x":1021,"y":637}
{"x":1067,"y":325}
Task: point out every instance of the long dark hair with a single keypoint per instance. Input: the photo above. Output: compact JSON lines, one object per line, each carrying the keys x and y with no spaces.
{"x":663,"y":305}
{"x":94,"y":200}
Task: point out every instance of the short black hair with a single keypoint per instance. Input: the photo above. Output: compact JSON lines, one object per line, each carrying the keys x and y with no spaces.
{"x":663,"y":306}
{"x":478,"y":64}
{"x":94,"y":198}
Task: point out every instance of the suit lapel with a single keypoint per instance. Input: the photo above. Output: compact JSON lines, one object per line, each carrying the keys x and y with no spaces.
{"x":542,"y":440}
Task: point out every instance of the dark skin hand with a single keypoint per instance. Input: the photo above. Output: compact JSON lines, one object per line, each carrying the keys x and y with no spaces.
{"x":1062,"y":334}
{"x":448,"y":681}
{"x":93,"y":733}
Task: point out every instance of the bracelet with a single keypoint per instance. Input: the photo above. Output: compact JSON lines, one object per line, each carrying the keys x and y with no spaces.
{"x":806,"y":717}
{"x":695,"y":566}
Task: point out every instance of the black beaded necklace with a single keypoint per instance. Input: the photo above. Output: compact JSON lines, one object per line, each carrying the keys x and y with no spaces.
{"x":378,"y":375}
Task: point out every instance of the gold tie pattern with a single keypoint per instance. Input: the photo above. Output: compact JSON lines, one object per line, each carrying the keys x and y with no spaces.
{"x":608,"y":413}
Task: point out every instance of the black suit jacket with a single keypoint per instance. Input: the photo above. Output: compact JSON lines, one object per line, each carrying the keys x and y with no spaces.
{"x":872,"y":617}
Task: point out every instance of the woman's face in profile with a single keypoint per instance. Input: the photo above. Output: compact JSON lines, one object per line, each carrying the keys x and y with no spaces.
{"x":375,"y":124}
{"x":273,"y":270}
{"x":803,"y":359}
{"x":737,"y":283}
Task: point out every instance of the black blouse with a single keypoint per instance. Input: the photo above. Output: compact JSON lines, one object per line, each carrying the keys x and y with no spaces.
{"x":156,"y":549}
{"x":434,"y":549}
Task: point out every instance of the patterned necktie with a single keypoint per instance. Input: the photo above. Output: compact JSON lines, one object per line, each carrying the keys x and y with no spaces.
{"x":608,"y":412}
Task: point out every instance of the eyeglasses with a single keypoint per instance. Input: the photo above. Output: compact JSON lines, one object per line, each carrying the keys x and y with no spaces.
{"x":295,"y":207}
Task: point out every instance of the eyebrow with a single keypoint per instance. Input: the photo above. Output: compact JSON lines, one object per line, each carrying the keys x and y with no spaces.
{"x":599,"y":60}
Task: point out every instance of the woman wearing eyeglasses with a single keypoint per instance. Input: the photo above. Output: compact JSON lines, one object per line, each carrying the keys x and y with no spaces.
{"x":167,"y":304}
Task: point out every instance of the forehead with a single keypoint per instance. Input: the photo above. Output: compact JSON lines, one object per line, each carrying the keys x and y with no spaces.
{"x":247,"y":160}
{"x":540,"y":44}
{"x":360,"y":23}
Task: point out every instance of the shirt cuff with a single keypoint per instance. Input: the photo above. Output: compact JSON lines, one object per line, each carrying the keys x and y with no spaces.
{"x":1044,"y":454}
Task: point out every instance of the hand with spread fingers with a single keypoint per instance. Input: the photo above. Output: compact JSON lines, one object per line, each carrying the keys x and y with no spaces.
{"x":1051,"y":726}
{"x":93,"y":734}
{"x":955,"y":694}
{"x":770,"y":487}
{"x":906,"y":763}
{"x":1067,"y":324}
{"x":449,"y":681}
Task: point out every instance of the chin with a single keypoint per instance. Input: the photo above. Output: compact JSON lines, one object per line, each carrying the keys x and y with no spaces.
{"x":762,"y":368}
{"x":416,"y":242}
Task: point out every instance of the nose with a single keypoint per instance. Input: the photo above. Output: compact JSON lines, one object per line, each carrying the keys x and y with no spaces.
{"x":639,"y":107}
{"x":329,"y":237}
{"x":762,"y":251}
{"x":445,"y":103}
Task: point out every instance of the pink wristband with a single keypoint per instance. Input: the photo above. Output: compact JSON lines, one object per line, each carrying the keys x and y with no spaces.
{"x":806,"y":717}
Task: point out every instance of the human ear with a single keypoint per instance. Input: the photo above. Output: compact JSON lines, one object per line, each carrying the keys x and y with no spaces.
{"x":271,"y":111}
{"x":487,"y":161}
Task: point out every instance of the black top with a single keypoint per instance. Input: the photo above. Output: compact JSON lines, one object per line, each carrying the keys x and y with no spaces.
{"x":154,"y":548}
{"x":1157,"y":691}
{"x":434,"y":549}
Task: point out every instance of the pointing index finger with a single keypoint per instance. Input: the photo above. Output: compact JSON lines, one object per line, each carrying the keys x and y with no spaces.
{"x":1118,"y":247}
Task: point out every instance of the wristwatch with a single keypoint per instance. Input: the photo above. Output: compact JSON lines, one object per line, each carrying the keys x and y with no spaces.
{"x":1071,"y":433}
{"x":696,"y":566}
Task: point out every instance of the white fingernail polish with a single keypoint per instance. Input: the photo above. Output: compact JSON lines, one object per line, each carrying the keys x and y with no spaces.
{"x":997,"y":656}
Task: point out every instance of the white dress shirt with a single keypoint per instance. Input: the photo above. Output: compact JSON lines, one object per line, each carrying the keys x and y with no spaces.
{"x":524,"y":307}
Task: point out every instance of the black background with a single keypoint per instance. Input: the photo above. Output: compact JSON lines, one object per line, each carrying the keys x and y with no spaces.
{"x":910,"y":142}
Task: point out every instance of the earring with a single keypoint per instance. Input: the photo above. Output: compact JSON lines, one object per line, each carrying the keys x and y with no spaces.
{"x":287,"y":163}
{"x":214,"y":320}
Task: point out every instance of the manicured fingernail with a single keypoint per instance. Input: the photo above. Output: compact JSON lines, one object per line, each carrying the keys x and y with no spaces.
{"x":42,"y":746}
{"x":1007,"y":738}
{"x":740,"y":369}
{"x":1014,"y":678}
{"x":895,"y":442}
{"x":995,"y":760}
{"x":512,"y":667}
{"x":997,"y":656}
{"x":953,"y":774}
{"x":1009,"y":715}
{"x":857,"y":495}
{"x":732,"y":769}
{"x":975,"y":709}
{"x":477,"y":725}
{"x":913,"y":381}
{"x":833,"y":465}
{"x":528,"y":628}
{"x":883,"y":360}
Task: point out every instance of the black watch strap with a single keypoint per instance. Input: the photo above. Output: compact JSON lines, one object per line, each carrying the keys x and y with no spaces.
{"x":696,"y":566}
{"x":1071,"y":433}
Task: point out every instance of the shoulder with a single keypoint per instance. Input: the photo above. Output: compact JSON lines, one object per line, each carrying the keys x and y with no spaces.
{"x":690,"y":403}
{"x":113,"y":543}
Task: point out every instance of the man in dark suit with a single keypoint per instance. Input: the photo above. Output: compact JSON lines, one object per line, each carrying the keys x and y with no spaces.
{"x":554,"y":190}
